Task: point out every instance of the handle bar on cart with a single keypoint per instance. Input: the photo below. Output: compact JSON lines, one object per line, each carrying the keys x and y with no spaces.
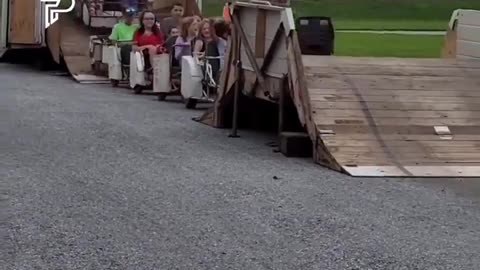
{"x":260,"y":2}
{"x":213,"y":57}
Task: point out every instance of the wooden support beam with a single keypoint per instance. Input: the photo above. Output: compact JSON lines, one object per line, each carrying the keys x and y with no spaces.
{"x":269,"y":56}
{"x":260,"y":33}
{"x":249,"y":51}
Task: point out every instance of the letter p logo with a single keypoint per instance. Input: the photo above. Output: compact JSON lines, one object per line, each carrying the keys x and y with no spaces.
{"x":52,"y":10}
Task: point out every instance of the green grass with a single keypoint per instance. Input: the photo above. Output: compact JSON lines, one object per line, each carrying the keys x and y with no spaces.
{"x":374,"y":14}
{"x":378,"y":15}
{"x":388,"y":45}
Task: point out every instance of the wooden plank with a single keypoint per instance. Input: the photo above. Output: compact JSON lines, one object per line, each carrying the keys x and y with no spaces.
{"x":279,"y":65}
{"x":379,"y":159}
{"x":249,"y":52}
{"x":383,"y":92}
{"x":383,"y":105}
{"x":322,"y":61}
{"x":191,"y":8}
{"x":337,"y":81}
{"x":410,"y":150}
{"x":365,"y":152}
{"x":444,"y":171}
{"x":22,"y":22}
{"x":393,"y":71}
{"x":399,"y":130}
{"x":53,"y":39}
{"x":404,"y":161}
{"x":420,"y":171}
{"x":398,"y":98}
{"x":330,"y":113}
{"x":374,"y":171}
{"x":379,"y":121}
{"x":300,"y":96}
{"x":336,"y":142}
{"x":430,"y":153}
{"x":269,"y":57}
{"x":401,"y":137}
{"x":297,"y":94}
{"x":271,"y":82}
{"x":260,"y":33}
{"x":227,"y":81}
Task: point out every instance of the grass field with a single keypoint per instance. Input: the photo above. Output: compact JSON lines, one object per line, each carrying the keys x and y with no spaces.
{"x":374,"y":14}
{"x":378,"y":15}
{"x":388,"y":45}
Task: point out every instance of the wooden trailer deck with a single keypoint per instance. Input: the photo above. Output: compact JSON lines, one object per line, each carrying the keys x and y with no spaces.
{"x":365,"y":116}
{"x":395,"y":117}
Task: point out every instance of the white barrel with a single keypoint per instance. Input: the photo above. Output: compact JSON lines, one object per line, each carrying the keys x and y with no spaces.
{"x":111,"y":56}
{"x":136,"y":77}
{"x":191,"y":78}
{"x":161,"y":73}
{"x":107,"y":54}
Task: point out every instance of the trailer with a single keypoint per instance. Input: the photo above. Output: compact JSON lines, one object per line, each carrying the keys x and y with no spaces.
{"x":22,"y":26}
{"x":363,"y":116}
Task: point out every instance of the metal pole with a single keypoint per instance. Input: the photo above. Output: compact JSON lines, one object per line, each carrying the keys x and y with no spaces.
{"x":238,"y":66}
{"x":281,"y":106}
{"x":236,"y":100}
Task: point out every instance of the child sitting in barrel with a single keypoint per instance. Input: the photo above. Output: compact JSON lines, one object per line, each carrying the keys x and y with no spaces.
{"x":210,"y":45}
{"x":148,"y":38}
{"x":184,"y":42}
{"x":122,"y":34}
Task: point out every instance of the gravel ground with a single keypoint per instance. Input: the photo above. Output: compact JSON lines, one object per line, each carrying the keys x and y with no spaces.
{"x":97,"y":178}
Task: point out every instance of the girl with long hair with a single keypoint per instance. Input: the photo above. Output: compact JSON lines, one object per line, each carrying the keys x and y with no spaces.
{"x":209,"y":44}
{"x":148,"y":38}
{"x":188,"y":32}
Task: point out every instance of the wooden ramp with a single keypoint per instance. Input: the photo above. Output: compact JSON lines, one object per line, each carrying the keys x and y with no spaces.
{"x":395,"y":117}
{"x":74,"y":47}
{"x":365,"y":116}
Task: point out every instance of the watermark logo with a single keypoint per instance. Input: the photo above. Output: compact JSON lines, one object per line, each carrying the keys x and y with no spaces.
{"x":53,"y":10}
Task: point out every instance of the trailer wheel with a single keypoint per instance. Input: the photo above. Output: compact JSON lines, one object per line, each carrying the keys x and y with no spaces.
{"x":114,"y":83}
{"x":137,"y":90}
{"x":191,"y":103}
{"x":162,"y":97}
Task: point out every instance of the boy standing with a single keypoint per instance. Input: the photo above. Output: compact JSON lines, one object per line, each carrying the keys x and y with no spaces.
{"x":174,"y":20}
